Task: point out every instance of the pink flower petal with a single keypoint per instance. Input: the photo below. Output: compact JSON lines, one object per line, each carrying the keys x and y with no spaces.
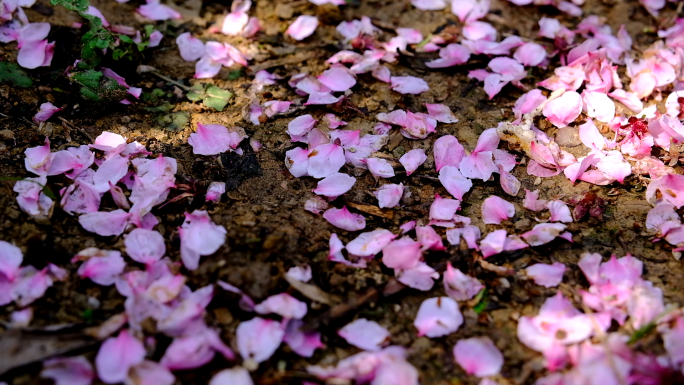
{"x":370,"y":243}
{"x":530,"y":54}
{"x":117,"y":356}
{"x":301,"y":125}
{"x":110,"y":143}
{"x":527,"y":103}
{"x":429,"y":5}
{"x":191,"y":48}
{"x":444,"y":209}
{"x":438,"y":317}
{"x":479,"y":356}
{"x":101,"y":266}
{"x":303,"y":27}
{"x":598,"y":105}
{"x":38,"y":159}
{"x":365,"y":334}
{"x":259,"y":338}
{"x":563,"y":110}
{"x":316,"y":205}
{"x":403,"y":253}
{"x":10,"y":260}
{"x":335,"y":185}
{"x":71,"y":161}
{"x":153,"y":10}
{"x":325,"y":160}
{"x":380,"y":168}
{"x":321,"y":98}
{"x":345,"y":220}
{"x":46,"y":111}
{"x":297,"y":161}
{"x":532,"y":201}
{"x":105,"y":223}
{"x":234,"y":22}
{"x":495,"y":210}
{"x":497,"y":242}
{"x":447,"y":152}
{"x":233,"y":376}
{"x":454,"y":182}
{"x":389,"y":195}
{"x":199,"y":236}
{"x":337,"y":78}
{"x":441,"y":113}
{"x":560,"y":212}
{"x":34,"y":54}
{"x":215,"y":191}
{"x":543,"y":233}
{"x":428,"y":238}
{"x":284,"y":305}
{"x":412,"y":160}
{"x":546,"y":275}
{"x":478,"y":165}
{"x":145,"y":246}
{"x":469,"y":233}
{"x":213,"y":139}
{"x":459,"y":286}
{"x":409,"y":85}
{"x":68,"y":371}
{"x":195,"y":350}
{"x":149,"y":372}
{"x":420,"y":277}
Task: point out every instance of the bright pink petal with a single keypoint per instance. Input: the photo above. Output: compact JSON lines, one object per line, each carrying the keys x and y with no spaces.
{"x":444,"y":209}
{"x":213,"y":139}
{"x":428,"y":238}
{"x":365,"y":334}
{"x":479,"y":356}
{"x":38,"y":159}
{"x":10,"y":260}
{"x":101,"y":266}
{"x":560,"y":212}
{"x":199,"y":236}
{"x":546,"y":275}
{"x":530,"y":54}
{"x":447,"y":152}
{"x":402,"y":253}
{"x":301,"y":125}
{"x":335,"y":185}
{"x":117,"y":356}
{"x":438,"y":317}
{"x":325,"y":160}
{"x":345,"y":220}
{"x":46,"y":111}
{"x":337,"y":78}
{"x":495,"y":210}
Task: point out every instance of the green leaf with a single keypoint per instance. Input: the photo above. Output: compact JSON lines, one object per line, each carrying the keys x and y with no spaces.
{"x":149,"y":28}
{"x":126,"y":39}
{"x":160,"y":108}
{"x":232,"y":75}
{"x":482,"y":301}
{"x":174,"y":121}
{"x":86,"y":93}
{"x":642,"y":332}
{"x":118,"y":54}
{"x":11,"y":73}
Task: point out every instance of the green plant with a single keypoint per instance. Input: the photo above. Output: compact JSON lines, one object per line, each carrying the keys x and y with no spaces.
{"x":212,"y":96}
{"x":94,"y":85}
{"x":11,"y":73}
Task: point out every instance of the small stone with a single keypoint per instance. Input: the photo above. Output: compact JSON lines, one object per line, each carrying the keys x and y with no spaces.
{"x":568,"y":137}
{"x":284,"y":11}
{"x":125,"y":119}
{"x":7,"y":135}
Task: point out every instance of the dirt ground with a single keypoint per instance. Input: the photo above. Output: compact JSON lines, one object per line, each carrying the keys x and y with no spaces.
{"x":268,"y":229}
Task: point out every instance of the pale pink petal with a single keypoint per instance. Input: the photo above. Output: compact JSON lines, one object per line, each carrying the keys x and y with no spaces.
{"x":345,"y":220}
{"x":259,"y":338}
{"x":420,"y":277}
{"x":546,"y":275}
{"x":10,"y":260}
{"x":528,"y":102}
{"x":560,"y":212}
{"x":234,"y":22}
{"x":543,"y":233}
{"x":428,"y":238}
{"x":246,"y":303}
{"x":105,"y":223}
{"x":478,"y":165}
{"x":233,"y":376}
{"x":412,"y":160}
{"x":389,"y":195}
{"x":71,"y":161}
{"x":409,"y":85}
{"x":438,"y":317}
{"x":300,"y":273}
{"x":403,"y":253}
{"x":145,"y":246}
{"x":68,"y":371}
{"x":215,"y":191}
{"x":207,"y":68}
{"x":337,"y":78}
{"x":195,"y":350}
{"x":213,"y":139}
{"x":322,"y":98}
{"x":396,"y":117}
{"x":316,"y":205}
{"x":629,"y":99}
{"x":150,"y":373}
{"x":469,"y":233}
{"x":191,"y":48}
{"x":153,"y":10}
{"x":365,"y":334}
{"x":459,"y":286}
{"x":563,"y":110}
{"x":454,"y":182}
{"x":509,"y":183}
{"x":429,"y":5}
{"x":591,"y":137}
{"x":110,"y":143}
{"x":441,"y":113}
{"x":532,"y":201}
{"x":449,"y":56}
{"x":479,"y":356}
{"x":447,"y":152}
{"x":101,"y":266}
{"x":335,"y":185}
{"x":370,"y":243}
{"x":479,"y":30}
{"x":45,"y":112}
{"x":493,"y":243}
{"x":38,"y":159}
{"x":297,"y":162}
{"x":380,"y":168}
{"x":303,"y":27}
{"x":495,"y":210}
{"x":284,"y":305}
{"x":671,"y":188}
{"x":530,"y":54}
{"x":199,"y":236}
{"x":301,"y":125}
{"x":325,"y":160}
{"x":444,"y":209}
{"x":34,"y":54}
{"x":117,"y":356}
{"x":598,"y":105}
